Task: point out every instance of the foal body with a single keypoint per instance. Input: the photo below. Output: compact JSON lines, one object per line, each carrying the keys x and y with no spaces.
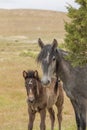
{"x":40,"y":98}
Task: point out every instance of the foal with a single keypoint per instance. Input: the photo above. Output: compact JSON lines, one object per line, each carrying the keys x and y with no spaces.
{"x":40,"y":98}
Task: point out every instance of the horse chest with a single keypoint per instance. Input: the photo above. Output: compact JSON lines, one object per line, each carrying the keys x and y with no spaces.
{"x":34,"y":108}
{"x":37,"y":107}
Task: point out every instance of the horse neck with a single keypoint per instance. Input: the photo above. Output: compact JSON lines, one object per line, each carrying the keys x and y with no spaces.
{"x":41,"y":90}
{"x":64,"y":69}
{"x":40,"y":98}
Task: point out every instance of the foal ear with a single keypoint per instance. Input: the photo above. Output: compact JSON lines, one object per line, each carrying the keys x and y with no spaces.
{"x":54,"y":44}
{"x":36,"y":73}
{"x":24,"y":74}
{"x":41,"y":44}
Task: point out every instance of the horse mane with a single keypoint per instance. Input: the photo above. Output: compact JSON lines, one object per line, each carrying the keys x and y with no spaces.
{"x":64,"y":53}
{"x":31,"y":74}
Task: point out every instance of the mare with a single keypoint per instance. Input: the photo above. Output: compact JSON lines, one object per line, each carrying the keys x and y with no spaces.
{"x":74,"y":79}
{"x":39,"y":98}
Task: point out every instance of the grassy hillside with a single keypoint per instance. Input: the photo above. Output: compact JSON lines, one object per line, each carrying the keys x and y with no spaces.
{"x":32,"y":24}
{"x":17,"y":29}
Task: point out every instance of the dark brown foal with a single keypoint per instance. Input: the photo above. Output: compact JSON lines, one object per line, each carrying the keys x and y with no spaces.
{"x":41,"y":98}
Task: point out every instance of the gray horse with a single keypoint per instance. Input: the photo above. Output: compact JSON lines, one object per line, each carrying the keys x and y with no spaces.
{"x":74,"y":79}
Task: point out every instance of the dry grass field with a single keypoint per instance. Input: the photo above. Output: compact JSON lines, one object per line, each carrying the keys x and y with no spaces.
{"x":19,"y":31}
{"x":33,"y":24}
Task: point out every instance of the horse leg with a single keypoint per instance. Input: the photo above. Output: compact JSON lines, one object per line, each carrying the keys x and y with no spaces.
{"x":59,"y":115}
{"x":77,"y":114}
{"x":83,"y":117}
{"x":80,"y":113}
{"x":31,"y":120}
{"x":43,"y":116}
{"x":52,"y":117}
{"x":83,"y":122}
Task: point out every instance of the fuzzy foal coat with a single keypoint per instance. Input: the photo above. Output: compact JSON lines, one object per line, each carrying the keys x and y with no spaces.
{"x":45,"y":98}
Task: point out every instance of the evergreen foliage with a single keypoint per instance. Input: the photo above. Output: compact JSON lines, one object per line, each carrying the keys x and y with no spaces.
{"x":76,"y":33}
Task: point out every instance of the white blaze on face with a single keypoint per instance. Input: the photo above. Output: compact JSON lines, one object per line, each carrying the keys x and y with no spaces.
{"x":47,"y":58}
{"x":46,"y":79}
{"x":30,"y":81}
{"x":30,"y":91}
{"x":51,"y":68}
{"x":49,"y":73}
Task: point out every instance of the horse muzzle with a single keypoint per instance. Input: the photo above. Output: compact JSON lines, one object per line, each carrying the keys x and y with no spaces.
{"x":46,"y":81}
{"x":31,"y":99}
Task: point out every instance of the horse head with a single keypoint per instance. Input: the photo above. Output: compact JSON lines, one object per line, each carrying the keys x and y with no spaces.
{"x":32,"y":84}
{"x":48,"y":59}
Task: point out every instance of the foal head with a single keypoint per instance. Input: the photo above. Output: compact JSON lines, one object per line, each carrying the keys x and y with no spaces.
{"x":48,"y":59}
{"x":32,"y":85}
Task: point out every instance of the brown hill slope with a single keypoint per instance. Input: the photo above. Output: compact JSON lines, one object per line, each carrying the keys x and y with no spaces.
{"x":32,"y":23}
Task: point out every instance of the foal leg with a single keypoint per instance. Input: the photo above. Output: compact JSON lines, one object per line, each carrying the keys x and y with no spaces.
{"x":31,"y":120}
{"x":59,"y":105}
{"x":52,"y":117}
{"x":59,"y":116}
{"x":43,"y":116}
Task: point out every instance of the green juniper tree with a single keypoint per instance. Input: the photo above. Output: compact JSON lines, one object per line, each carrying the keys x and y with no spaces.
{"x":76,"y":33}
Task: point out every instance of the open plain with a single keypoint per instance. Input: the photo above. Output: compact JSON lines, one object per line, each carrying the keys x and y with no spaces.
{"x":19,"y":33}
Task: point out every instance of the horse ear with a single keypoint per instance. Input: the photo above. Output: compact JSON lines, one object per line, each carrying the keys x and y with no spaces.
{"x":24,"y":74}
{"x":54,"y":44}
{"x":36,"y":73}
{"x":41,"y":44}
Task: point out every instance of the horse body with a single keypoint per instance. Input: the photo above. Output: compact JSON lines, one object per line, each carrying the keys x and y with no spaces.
{"x":74,"y":79}
{"x":40,"y":98}
{"x":75,"y":85}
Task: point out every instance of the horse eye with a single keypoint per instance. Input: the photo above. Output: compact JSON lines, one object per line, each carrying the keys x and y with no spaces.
{"x":54,"y":58}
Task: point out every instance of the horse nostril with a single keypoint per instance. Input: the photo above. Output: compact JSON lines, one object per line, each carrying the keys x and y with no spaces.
{"x":48,"y":81}
{"x":31,"y":98}
{"x":45,"y":82}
